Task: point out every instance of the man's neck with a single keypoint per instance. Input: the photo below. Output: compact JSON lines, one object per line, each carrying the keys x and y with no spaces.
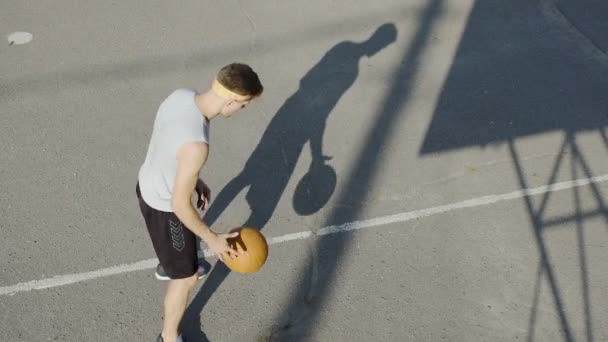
{"x":208,"y":108}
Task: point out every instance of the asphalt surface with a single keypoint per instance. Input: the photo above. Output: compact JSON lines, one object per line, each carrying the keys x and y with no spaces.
{"x":417,"y":105}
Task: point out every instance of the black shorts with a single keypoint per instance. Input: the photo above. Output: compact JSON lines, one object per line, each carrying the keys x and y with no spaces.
{"x":174,"y":244}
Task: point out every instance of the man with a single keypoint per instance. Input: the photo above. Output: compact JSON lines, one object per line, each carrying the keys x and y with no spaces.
{"x":169,"y":176}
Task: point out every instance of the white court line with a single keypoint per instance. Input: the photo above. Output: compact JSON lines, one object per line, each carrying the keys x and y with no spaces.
{"x":375,"y":222}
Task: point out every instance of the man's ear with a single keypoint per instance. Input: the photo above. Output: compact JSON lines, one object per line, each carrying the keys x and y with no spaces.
{"x":226,"y":105}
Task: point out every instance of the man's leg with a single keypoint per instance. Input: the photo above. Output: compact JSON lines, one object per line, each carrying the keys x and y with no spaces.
{"x":176,"y":299}
{"x":175,"y":247}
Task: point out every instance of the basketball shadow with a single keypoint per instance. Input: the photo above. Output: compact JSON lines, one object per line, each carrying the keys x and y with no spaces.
{"x":300,"y":120}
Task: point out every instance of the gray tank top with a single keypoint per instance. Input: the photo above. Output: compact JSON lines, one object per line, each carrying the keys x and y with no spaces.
{"x":178,"y":121}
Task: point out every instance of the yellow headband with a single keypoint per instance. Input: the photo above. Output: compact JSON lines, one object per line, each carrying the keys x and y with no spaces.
{"x":224,"y":92}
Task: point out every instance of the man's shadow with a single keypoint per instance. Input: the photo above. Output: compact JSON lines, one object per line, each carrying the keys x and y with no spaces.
{"x":301,"y":119}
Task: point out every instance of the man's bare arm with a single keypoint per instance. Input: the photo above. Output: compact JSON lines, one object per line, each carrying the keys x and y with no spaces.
{"x":191,"y":159}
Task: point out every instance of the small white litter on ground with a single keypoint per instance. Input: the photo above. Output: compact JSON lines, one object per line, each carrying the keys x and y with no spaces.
{"x":19,"y":38}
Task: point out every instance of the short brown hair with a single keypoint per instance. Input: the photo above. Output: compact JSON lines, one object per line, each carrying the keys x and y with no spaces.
{"x":241,"y":79}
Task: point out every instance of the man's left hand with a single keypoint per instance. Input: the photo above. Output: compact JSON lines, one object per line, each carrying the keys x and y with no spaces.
{"x":204,"y":195}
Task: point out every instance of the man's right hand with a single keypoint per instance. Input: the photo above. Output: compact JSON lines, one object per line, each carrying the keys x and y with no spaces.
{"x":218,"y":245}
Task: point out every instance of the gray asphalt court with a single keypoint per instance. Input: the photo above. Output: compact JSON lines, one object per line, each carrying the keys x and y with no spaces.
{"x":424,"y":170}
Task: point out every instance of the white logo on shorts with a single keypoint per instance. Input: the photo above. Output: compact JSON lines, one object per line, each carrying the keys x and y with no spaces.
{"x":177,"y":235}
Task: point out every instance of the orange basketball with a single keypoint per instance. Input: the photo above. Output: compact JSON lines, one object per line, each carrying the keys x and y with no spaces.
{"x":254,"y":243}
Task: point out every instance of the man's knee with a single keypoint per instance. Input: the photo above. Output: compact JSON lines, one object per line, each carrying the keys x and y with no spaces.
{"x":191,"y":281}
{"x":187,"y":282}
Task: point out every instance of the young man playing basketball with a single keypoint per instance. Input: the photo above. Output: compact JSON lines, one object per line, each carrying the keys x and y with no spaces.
{"x":169,"y":176}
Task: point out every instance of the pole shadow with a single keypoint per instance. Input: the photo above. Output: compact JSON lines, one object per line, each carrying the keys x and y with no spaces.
{"x":300,"y":120}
